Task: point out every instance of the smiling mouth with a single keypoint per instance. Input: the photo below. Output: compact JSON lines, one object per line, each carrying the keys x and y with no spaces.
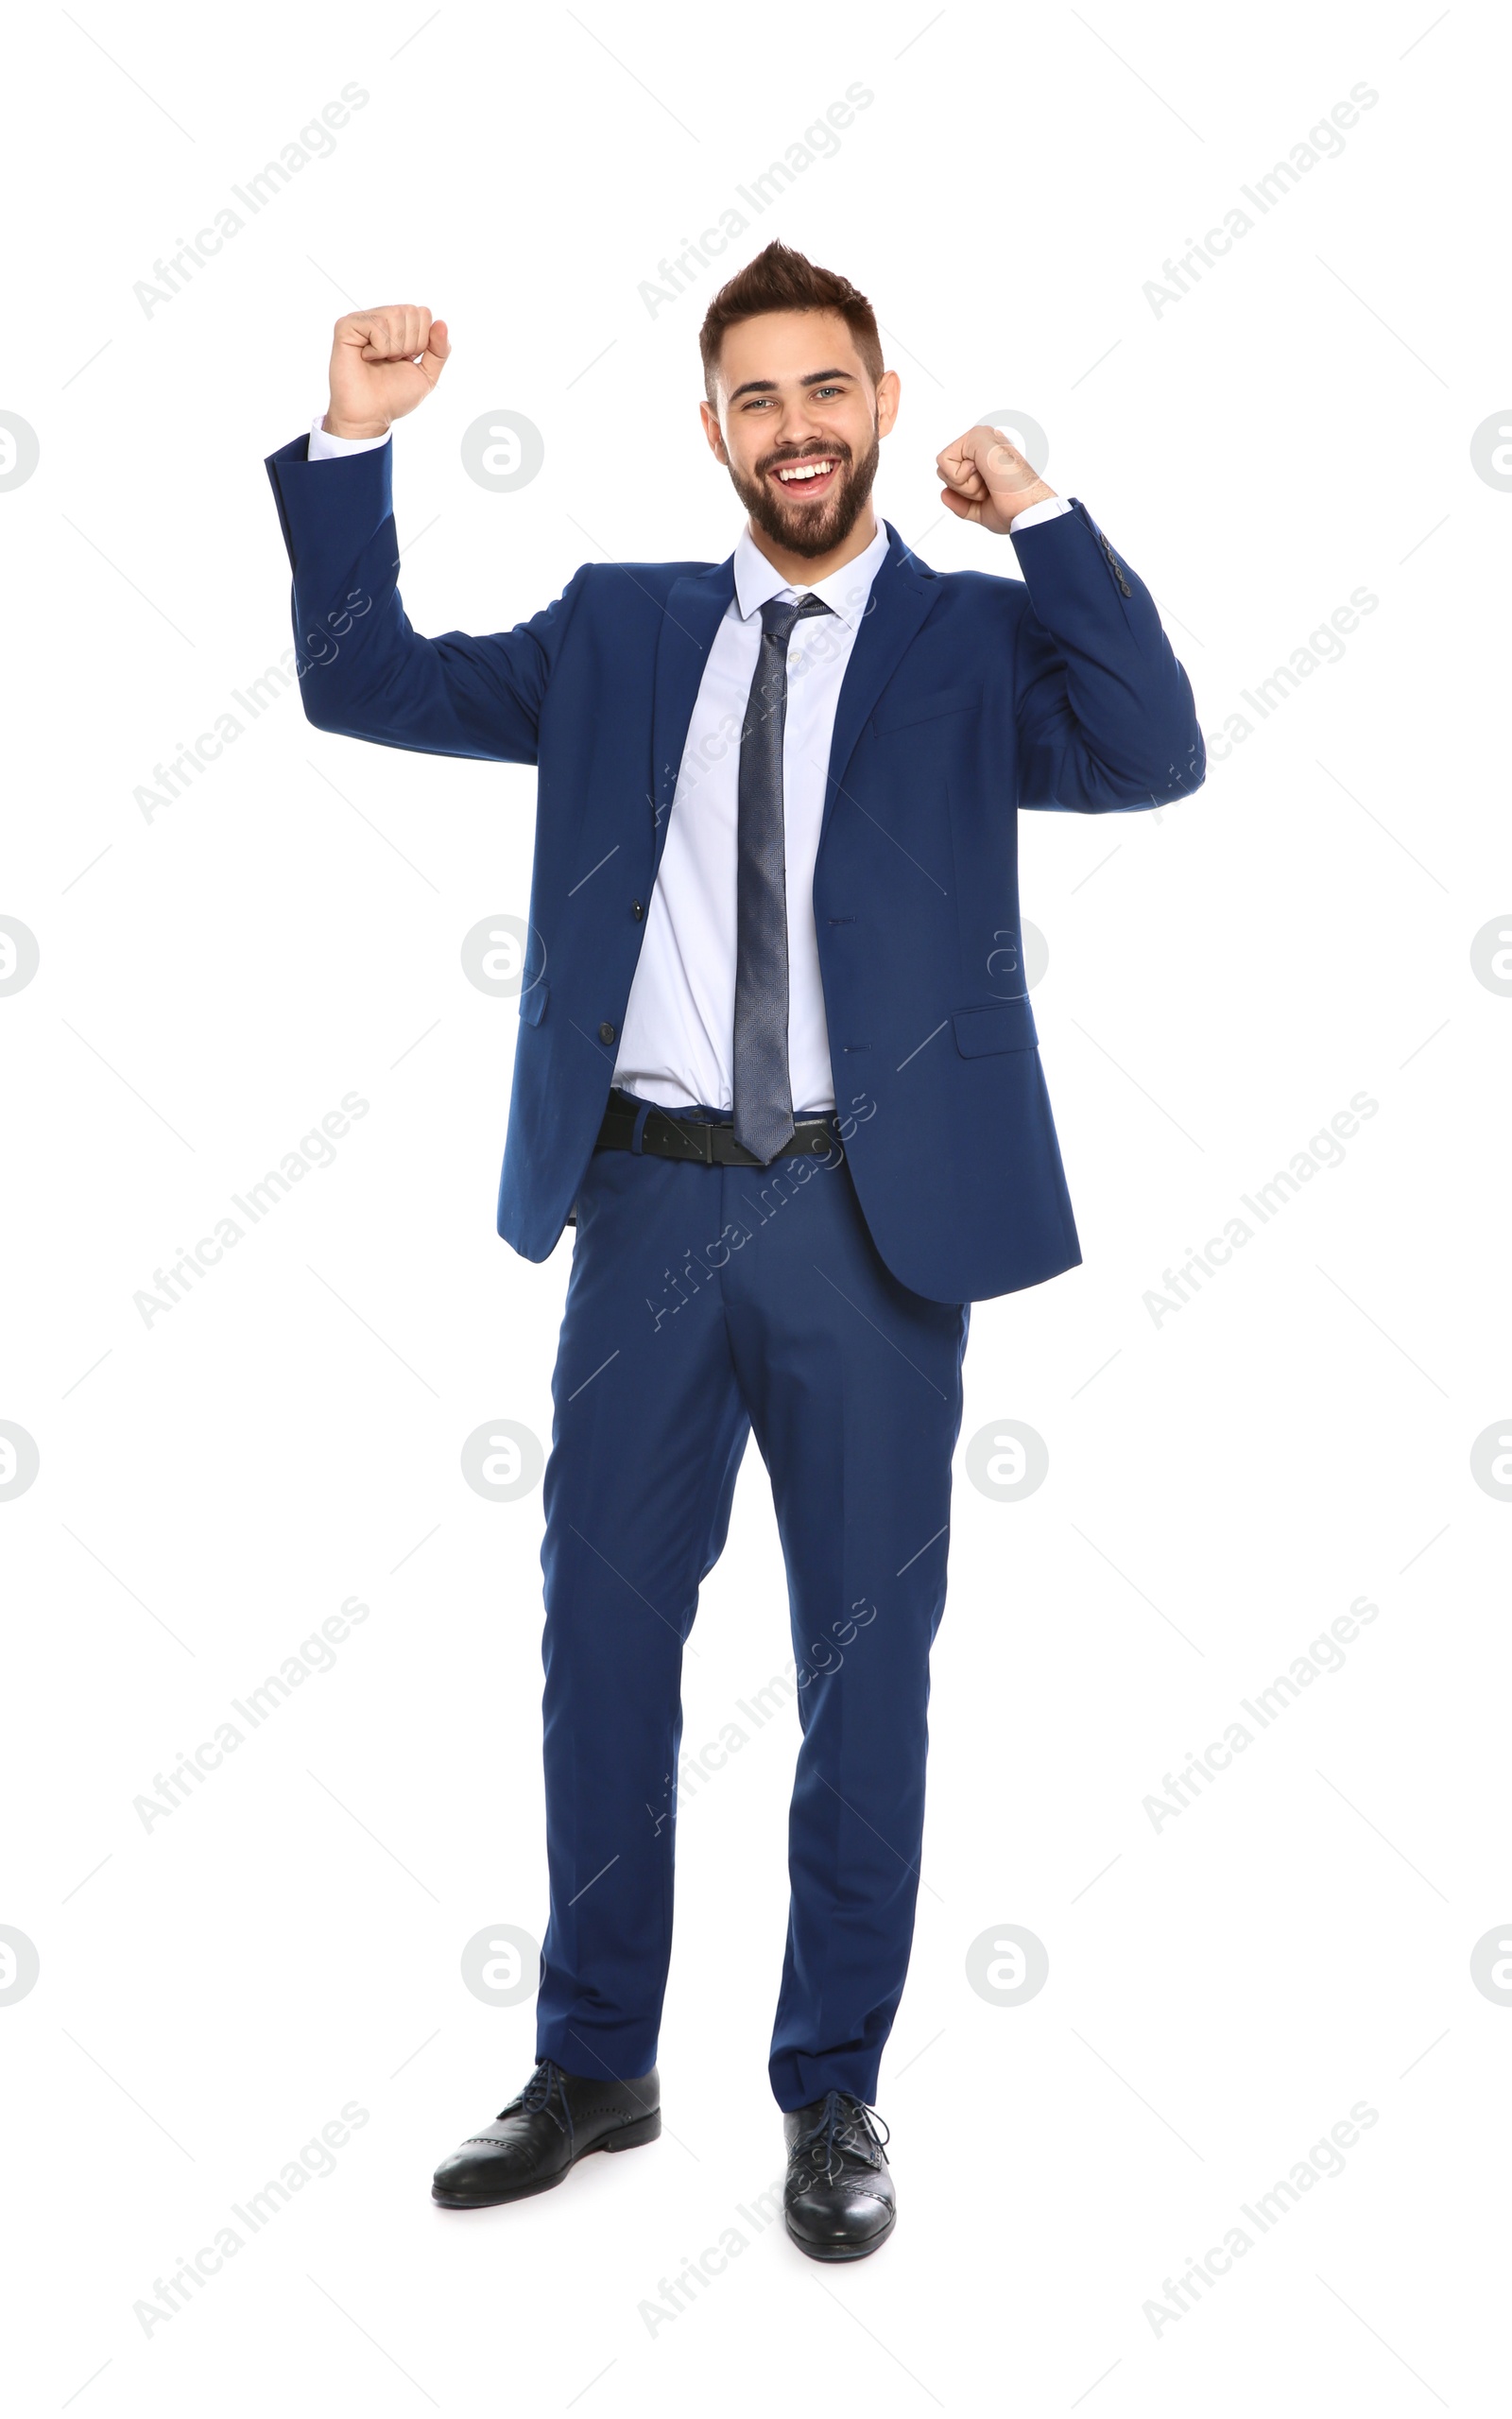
{"x":810,"y":476}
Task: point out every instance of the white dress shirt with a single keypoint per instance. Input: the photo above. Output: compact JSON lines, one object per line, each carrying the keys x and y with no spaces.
{"x":676,"y":1044}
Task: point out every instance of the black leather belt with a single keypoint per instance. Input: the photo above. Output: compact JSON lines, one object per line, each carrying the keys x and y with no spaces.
{"x":671,"y":1137}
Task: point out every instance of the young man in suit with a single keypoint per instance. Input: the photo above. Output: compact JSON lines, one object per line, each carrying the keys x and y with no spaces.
{"x":778,"y":1063}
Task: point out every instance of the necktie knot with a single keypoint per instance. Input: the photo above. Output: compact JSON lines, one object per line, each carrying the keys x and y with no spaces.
{"x":777,"y":615}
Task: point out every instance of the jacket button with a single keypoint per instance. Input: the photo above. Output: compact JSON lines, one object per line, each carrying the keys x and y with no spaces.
{"x":636,"y":909}
{"x":606,"y":1033}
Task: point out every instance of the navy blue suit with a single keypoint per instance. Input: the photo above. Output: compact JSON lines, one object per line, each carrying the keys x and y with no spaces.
{"x":822,"y":1305}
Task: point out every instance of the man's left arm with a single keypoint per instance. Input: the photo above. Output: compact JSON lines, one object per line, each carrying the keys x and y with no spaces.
{"x":1103,"y":712}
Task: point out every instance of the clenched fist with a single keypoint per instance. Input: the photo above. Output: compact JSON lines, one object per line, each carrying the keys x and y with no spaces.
{"x":987,"y":479}
{"x":383,"y":363}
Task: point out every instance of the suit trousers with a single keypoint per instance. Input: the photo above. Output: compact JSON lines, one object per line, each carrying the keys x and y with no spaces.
{"x":704,"y":1302}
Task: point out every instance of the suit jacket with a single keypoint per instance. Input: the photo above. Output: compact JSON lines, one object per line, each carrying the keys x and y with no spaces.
{"x":966,"y":697}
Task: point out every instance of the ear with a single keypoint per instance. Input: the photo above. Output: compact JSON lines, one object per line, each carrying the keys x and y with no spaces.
{"x":711,"y":429}
{"x":889,"y":389}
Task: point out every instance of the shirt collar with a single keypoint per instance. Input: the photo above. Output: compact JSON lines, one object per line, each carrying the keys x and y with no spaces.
{"x":846,"y":592}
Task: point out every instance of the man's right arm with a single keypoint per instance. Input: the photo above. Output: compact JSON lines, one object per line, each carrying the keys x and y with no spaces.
{"x":363,"y":671}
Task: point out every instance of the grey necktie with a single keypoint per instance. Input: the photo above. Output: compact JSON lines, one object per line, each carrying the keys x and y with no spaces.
{"x":763,"y":1088}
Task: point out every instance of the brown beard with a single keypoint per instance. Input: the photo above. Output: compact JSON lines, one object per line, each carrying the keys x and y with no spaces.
{"x":803,"y":529}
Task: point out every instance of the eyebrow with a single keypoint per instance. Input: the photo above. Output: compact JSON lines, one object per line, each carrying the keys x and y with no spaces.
{"x":768,"y":386}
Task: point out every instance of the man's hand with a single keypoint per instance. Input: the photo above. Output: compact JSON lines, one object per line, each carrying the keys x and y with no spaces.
{"x":986,"y":479}
{"x":383,"y":363}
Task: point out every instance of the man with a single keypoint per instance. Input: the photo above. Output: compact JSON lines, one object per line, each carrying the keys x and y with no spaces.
{"x":777,"y":1060}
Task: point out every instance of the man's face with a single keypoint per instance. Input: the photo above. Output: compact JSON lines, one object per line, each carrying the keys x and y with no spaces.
{"x":798,"y":423}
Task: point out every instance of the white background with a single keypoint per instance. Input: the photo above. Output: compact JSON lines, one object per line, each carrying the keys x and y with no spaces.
{"x":1222,"y":979}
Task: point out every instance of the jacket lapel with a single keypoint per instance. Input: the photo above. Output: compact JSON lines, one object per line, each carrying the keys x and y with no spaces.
{"x":902,"y":594}
{"x":694,"y":608}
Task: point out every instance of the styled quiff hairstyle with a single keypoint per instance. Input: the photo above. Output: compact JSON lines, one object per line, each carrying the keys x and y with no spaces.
{"x":780,"y":279}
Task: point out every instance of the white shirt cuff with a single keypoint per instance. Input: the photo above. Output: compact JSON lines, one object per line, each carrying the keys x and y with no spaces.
{"x":326,"y":448}
{"x":1037,"y":512}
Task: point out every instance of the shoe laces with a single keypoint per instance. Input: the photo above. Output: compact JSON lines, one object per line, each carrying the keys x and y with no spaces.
{"x":844,"y":2124}
{"x":544,"y":2095}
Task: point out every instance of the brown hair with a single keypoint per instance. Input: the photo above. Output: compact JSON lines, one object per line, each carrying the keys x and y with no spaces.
{"x":780,"y":279}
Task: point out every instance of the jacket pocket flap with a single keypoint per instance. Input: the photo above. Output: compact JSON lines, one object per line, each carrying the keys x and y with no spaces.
{"x":924,"y":709}
{"x":1008,"y":1026}
{"x":533,"y":1003}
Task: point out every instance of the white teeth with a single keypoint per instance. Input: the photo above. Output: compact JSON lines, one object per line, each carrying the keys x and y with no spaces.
{"x":805,"y":470}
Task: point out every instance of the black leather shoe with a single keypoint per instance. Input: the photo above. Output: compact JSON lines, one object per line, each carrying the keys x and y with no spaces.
{"x":838,"y":2198}
{"x":546,"y":2130}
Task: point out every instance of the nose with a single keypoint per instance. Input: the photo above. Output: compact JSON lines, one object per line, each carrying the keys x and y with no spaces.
{"x":800,"y":426}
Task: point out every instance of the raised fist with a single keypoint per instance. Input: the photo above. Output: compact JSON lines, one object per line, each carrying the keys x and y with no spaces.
{"x":383,"y":363}
{"x":987,"y":479}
